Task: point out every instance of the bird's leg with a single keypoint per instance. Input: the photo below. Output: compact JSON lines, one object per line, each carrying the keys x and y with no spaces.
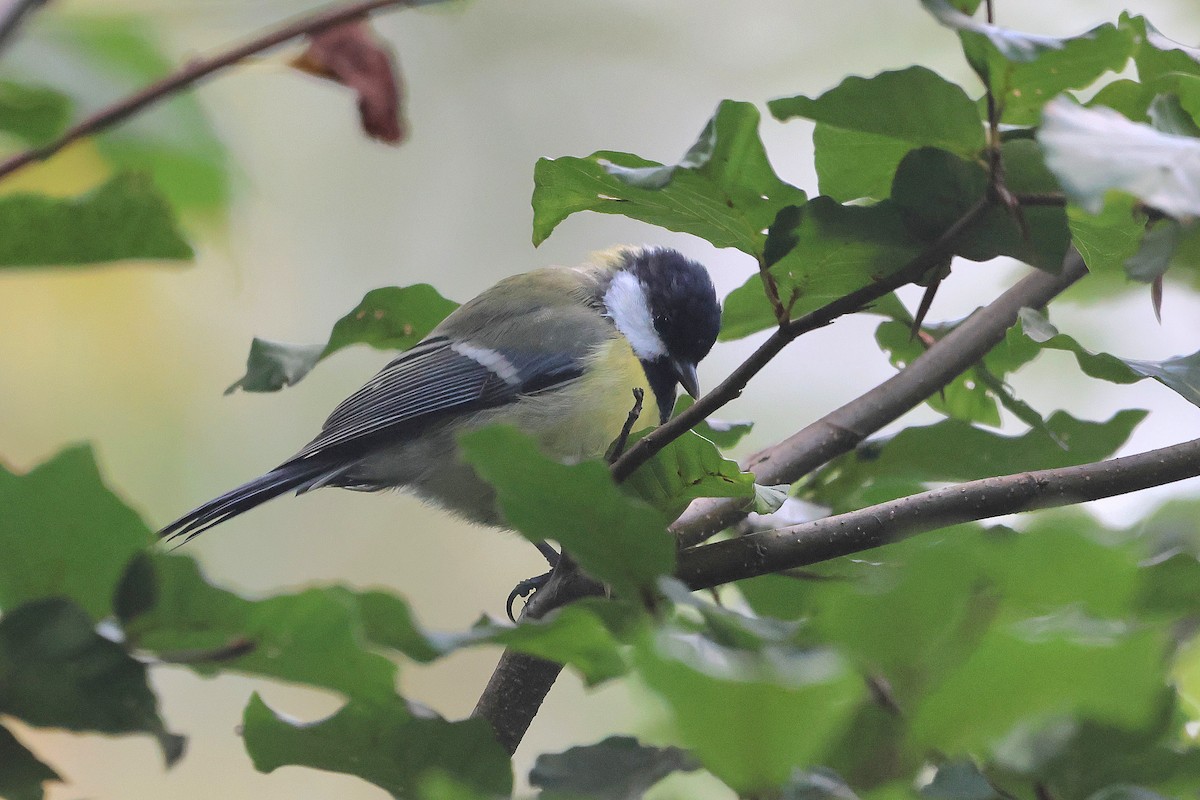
{"x":530,"y":585}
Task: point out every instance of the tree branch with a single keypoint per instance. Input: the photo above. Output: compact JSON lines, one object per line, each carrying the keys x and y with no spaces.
{"x":521,"y":682}
{"x":844,"y":428}
{"x":195,"y":71}
{"x":733,"y":385}
{"x":13,"y":14}
{"x":821,"y":540}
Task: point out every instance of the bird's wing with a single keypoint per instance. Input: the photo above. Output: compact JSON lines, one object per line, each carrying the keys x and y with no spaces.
{"x":435,"y":378}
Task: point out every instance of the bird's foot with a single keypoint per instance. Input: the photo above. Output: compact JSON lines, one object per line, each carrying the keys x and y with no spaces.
{"x":524,"y":589}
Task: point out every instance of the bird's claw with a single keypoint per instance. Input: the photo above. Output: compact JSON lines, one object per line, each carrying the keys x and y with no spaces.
{"x":524,"y":589}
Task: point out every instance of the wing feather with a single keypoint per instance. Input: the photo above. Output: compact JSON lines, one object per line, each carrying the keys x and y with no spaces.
{"x":432,"y":379}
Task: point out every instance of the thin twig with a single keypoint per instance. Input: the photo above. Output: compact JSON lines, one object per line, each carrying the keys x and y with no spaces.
{"x":824,"y":539}
{"x":234,"y":648}
{"x":618,"y":447}
{"x":733,"y":385}
{"x":195,"y":71}
{"x":1056,"y":199}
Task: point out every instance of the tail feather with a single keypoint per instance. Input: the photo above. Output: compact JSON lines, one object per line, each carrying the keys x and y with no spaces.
{"x":300,"y":476}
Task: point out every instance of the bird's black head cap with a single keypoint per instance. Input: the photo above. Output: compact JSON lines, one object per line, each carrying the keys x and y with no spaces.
{"x":682,"y":301}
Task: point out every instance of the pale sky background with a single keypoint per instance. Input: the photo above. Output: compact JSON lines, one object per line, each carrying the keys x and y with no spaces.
{"x":134,"y":358}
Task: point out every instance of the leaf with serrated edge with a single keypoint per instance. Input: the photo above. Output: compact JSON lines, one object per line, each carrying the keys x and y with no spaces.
{"x":381,"y":742}
{"x":724,"y":190}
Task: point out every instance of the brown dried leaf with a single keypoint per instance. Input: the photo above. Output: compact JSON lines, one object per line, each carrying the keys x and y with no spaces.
{"x":352,"y":55}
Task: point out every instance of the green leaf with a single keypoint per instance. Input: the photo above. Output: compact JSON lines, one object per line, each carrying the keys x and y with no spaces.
{"x":914,"y":105}
{"x":1024,"y":70}
{"x":925,"y":615}
{"x":313,"y":637}
{"x":381,"y":742}
{"x":1168,"y":115}
{"x":1037,"y":669}
{"x":851,"y":164}
{"x":124,"y":219}
{"x":64,"y":534}
{"x":722,"y":433}
{"x":972,"y":396}
{"x":1180,"y":374}
{"x":35,"y":114}
{"x":1078,"y":759}
{"x":616,"y":538}
{"x":687,"y":468}
{"x":578,"y":635}
{"x":935,"y":188}
{"x":392,"y":318}
{"x":1124,"y":792}
{"x":618,"y":768}
{"x":723,"y":190}
{"x":1129,"y":98}
{"x":750,"y":716}
{"x":1012,"y":45}
{"x":1157,"y":56}
{"x":21,"y":773}
{"x":274,"y":365}
{"x":99,"y":59}
{"x":959,"y":780}
{"x":965,"y":398}
{"x":817,"y":784}
{"x":957,"y":451}
{"x":1109,"y":238}
{"x":56,"y":671}
{"x":575,"y":635}
{"x":1093,"y":151}
{"x":836,"y":249}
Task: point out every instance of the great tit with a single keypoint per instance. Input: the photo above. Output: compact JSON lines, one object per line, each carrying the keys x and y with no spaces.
{"x":556,"y":352}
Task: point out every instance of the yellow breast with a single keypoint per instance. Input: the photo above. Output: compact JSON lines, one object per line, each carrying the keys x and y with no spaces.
{"x":582,"y":419}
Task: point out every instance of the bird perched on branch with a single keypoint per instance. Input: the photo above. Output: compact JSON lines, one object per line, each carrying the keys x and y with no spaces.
{"x":556,"y":352}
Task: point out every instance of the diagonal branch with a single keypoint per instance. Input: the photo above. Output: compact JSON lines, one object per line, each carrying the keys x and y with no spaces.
{"x":197,"y":70}
{"x":823,"y":539}
{"x":13,"y":14}
{"x":732,"y":386}
{"x":844,"y":428}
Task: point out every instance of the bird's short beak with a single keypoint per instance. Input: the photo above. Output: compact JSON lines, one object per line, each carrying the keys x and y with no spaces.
{"x":686,"y":374}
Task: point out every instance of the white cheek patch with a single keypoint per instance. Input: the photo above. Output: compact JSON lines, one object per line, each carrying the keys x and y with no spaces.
{"x":629,"y":311}
{"x":490,"y":359}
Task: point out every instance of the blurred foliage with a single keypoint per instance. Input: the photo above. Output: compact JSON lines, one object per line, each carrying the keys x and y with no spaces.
{"x":91,"y":61}
{"x":972,"y":663}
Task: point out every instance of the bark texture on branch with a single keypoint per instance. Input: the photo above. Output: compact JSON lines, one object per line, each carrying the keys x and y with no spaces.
{"x":832,"y":537}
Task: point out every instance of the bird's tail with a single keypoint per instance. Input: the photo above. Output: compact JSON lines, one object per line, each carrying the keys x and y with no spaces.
{"x":299,"y":475}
